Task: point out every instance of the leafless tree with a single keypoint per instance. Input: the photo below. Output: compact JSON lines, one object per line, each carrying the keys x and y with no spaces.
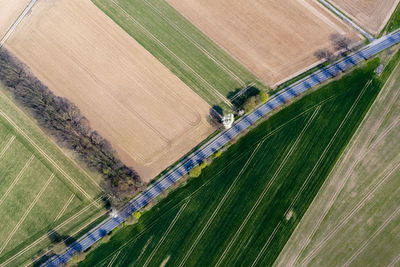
{"x":324,"y":54}
{"x":340,"y":42}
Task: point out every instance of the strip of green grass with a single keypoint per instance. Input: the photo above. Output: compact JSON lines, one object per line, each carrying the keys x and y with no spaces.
{"x":236,"y":212}
{"x":180,"y":46}
{"x":28,"y":207}
{"x":394,"y":21}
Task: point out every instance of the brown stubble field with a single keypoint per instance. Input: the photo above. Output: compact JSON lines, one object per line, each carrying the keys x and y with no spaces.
{"x":9,"y":12}
{"x":274,"y":39}
{"x":150,"y":117}
{"x":372,"y":15}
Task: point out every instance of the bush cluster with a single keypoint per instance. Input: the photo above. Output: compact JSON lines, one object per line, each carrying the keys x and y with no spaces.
{"x":63,"y":120}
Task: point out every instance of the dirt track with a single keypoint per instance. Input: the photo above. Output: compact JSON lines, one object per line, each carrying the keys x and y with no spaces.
{"x":372,"y":15}
{"x":274,"y":39}
{"x":150,"y":117}
{"x":9,"y":12}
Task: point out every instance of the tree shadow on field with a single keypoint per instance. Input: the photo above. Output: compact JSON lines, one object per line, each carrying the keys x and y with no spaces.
{"x":215,"y":116}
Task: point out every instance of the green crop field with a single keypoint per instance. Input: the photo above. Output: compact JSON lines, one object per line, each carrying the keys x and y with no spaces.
{"x":355,"y":218}
{"x":41,"y":189}
{"x":181,"y":47}
{"x":245,"y":205}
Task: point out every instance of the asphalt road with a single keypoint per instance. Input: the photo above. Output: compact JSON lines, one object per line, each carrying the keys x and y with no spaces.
{"x":222,"y":139}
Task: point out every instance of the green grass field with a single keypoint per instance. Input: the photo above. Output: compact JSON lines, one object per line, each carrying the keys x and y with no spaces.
{"x":181,"y":47}
{"x":355,"y":218}
{"x":40,"y":189}
{"x":245,"y":205}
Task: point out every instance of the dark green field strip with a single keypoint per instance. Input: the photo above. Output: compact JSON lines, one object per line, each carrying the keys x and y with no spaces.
{"x":245,"y":205}
{"x":180,"y":46}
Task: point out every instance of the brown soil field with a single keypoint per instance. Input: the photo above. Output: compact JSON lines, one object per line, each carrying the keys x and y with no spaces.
{"x":150,"y":117}
{"x":372,"y":15}
{"x":274,"y":39}
{"x":9,"y":12}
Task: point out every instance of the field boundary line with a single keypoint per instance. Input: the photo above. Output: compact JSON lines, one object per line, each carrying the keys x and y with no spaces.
{"x":33,"y":203}
{"x":319,"y":221}
{"x":43,"y":237}
{"x":377,"y":232}
{"x":394,"y":261}
{"x":149,"y":34}
{"x":177,"y":216}
{"x":221,"y":203}
{"x":268,"y":186}
{"x":12,"y":28}
{"x":17,"y":178}
{"x":113,"y":259}
{"x":311,"y":174}
{"x":176,"y":27}
{"x":74,"y":183}
{"x":359,"y":205}
{"x":65,"y":207}
{"x":7,"y":146}
{"x":121,"y":260}
{"x":270,"y":238}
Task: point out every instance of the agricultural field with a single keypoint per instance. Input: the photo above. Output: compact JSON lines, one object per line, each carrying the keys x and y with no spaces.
{"x":150,"y":117}
{"x":41,"y":189}
{"x":372,"y":15}
{"x":276,"y":40}
{"x":181,"y":47}
{"x":9,"y":12}
{"x":355,"y":218}
{"x":245,"y":205}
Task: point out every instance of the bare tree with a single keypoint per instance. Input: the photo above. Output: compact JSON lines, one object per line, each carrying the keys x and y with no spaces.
{"x":340,"y":42}
{"x":325,"y":54}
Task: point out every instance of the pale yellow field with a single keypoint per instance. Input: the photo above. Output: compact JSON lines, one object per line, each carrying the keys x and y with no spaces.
{"x":274,"y":39}
{"x":9,"y":12}
{"x":150,"y":117}
{"x":369,"y":14}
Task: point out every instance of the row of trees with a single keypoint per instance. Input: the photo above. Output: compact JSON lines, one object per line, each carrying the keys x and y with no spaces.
{"x":62,"y":119}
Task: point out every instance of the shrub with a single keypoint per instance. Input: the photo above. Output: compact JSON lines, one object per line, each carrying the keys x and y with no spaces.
{"x":250,"y":104}
{"x":195,"y":172}
{"x":137,"y":215}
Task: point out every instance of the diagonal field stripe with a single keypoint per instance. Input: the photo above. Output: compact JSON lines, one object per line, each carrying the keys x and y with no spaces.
{"x":16,"y":179}
{"x":266,"y":189}
{"x":166,"y":233}
{"x":201,"y":48}
{"x":220,"y":204}
{"x":213,"y":91}
{"x":48,"y":158}
{"x":26,"y":213}
{"x":65,"y":207}
{"x":3,"y":152}
{"x":113,"y":259}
